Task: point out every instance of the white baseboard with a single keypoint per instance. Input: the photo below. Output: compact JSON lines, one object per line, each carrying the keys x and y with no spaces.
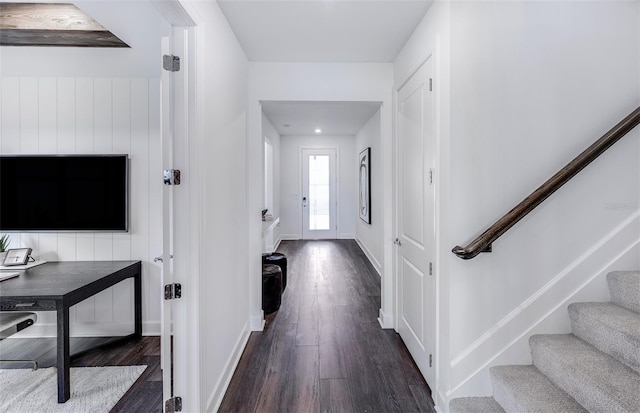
{"x":216,"y":396}
{"x":290,"y":237}
{"x":346,"y":236}
{"x":41,"y":330}
{"x":277,"y":243}
{"x":376,"y":265}
{"x":385,"y":320}
{"x":442,"y":403}
{"x":257,"y":323}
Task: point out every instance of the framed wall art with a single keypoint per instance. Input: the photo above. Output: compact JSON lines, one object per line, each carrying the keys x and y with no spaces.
{"x":365,"y":185}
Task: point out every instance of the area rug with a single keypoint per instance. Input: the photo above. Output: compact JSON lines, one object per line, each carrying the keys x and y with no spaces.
{"x":93,"y":389}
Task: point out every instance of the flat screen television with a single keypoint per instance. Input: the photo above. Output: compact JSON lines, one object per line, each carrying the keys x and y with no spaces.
{"x":64,"y":193}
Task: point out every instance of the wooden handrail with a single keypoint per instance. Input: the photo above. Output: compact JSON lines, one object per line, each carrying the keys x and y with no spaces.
{"x":483,"y":243}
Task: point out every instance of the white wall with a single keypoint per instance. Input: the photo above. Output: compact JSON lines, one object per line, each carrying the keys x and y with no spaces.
{"x":432,"y":36}
{"x":221,"y":282}
{"x":270,"y":133}
{"x":79,"y":100}
{"x":356,"y":82}
{"x":291,"y":180}
{"x":533,"y":84}
{"x":370,"y":236}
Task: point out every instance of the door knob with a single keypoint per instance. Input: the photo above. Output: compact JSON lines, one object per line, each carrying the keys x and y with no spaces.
{"x":160,"y":259}
{"x":397,"y":242}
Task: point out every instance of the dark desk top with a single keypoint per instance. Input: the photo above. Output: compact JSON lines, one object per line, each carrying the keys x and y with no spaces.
{"x":60,"y":280}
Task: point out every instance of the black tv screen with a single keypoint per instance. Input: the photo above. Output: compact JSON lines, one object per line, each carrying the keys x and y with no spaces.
{"x":64,"y":193}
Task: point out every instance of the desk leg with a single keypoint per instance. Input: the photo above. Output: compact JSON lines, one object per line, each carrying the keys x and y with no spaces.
{"x":63,"y":358}
{"x":137,"y":291}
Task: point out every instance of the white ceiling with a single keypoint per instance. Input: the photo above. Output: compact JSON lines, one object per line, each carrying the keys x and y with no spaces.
{"x":347,"y":31}
{"x":334,"y":118}
{"x":323,"y":30}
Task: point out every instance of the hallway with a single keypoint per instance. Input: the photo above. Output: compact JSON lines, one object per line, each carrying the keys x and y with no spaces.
{"x":324,"y":350}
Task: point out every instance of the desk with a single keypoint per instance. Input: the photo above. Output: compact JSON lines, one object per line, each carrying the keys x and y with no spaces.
{"x":56,"y":286}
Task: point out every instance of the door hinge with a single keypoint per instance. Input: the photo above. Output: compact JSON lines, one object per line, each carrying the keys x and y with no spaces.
{"x":171,"y":63}
{"x":172,"y":405}
{"x":430,"y":268}
{"x":171,"y":176}
{"x":430,"y":360}
{"x":431,"y":176}
{"x":172,"y":291}
{"x":430,"y":85}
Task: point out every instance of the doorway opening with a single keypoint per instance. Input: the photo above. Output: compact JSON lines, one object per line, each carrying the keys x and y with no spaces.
{"x":319,"y":203}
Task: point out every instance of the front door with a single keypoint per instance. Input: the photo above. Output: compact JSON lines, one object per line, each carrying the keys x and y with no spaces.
{"x":416,"y":219}
{"x":319,"y":203}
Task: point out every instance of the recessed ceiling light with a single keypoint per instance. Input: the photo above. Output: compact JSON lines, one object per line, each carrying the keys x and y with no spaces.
{"x":286,"y":125}
{"x":318,"y":130}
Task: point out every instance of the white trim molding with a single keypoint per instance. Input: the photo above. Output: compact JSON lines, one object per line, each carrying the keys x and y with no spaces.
{"x":257,"y":323}
{"x":376,"y":265}
{"x":290,"y":237}
{"x":219,"y":390}
{"x":385,"y":320}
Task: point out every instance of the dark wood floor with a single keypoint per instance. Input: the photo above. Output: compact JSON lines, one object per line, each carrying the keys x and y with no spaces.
{"x":144,"y":396}
{"x":324,"y":350}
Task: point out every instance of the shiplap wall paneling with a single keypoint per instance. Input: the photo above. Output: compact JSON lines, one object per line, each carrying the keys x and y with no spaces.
{"x":95,"y":115}
{"x":66,"y":110}
{"x":29,"y":125}
{"x":103,"y":108}
{"x":122,"y":292}
{"x":47,"y":115}
{"x":140,"y":167}
{"x":154,"y":215}
{"x":84,"y":116}
{"x":10,"y":115}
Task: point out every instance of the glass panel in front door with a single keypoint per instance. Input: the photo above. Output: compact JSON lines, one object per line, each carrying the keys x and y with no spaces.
{"x":319,"y":192}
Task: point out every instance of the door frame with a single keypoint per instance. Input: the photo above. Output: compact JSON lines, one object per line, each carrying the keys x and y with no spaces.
{"x":441,"y":179}
{"x":336,"y":183}
{"x":187,"y":374}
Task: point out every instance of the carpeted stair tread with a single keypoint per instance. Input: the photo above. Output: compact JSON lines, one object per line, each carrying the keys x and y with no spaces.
{"x":610,"y":328}
{"x":594,"y":379}
{"x":524,"y":389}
{"x":625,"y":289}
{"x":475,"y":405}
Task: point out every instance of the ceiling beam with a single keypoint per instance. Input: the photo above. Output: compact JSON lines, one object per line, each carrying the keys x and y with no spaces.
{"x":52,"y":24}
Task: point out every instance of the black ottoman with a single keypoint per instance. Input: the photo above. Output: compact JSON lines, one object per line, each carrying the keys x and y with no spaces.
{"x":271,"y":288}
{"x":280,"y":260}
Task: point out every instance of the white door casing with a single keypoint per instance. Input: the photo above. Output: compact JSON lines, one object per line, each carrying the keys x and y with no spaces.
{"x":319,"y":199}
{"x":416,"y":241}
{"x":175,"y":132}
{"x":166,"y":94}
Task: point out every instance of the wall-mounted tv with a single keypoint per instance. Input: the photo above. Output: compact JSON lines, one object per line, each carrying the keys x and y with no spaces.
{"x":64,"y":193}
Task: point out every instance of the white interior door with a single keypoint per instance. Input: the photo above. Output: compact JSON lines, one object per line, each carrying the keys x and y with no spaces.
{"x":416,"y":219}
{"x":319,"y":202}
{"x":173,"y":128}
{"x":166,"y":92}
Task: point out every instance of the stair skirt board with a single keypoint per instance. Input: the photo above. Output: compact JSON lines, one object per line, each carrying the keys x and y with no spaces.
{"x":595,"y":369}
{"x":506,"y":341}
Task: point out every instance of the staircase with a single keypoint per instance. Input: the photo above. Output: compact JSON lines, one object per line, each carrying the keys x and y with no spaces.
{"x":594,"y":369}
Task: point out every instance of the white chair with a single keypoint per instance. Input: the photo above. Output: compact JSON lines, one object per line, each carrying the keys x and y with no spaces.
{"x":10,"y":323}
